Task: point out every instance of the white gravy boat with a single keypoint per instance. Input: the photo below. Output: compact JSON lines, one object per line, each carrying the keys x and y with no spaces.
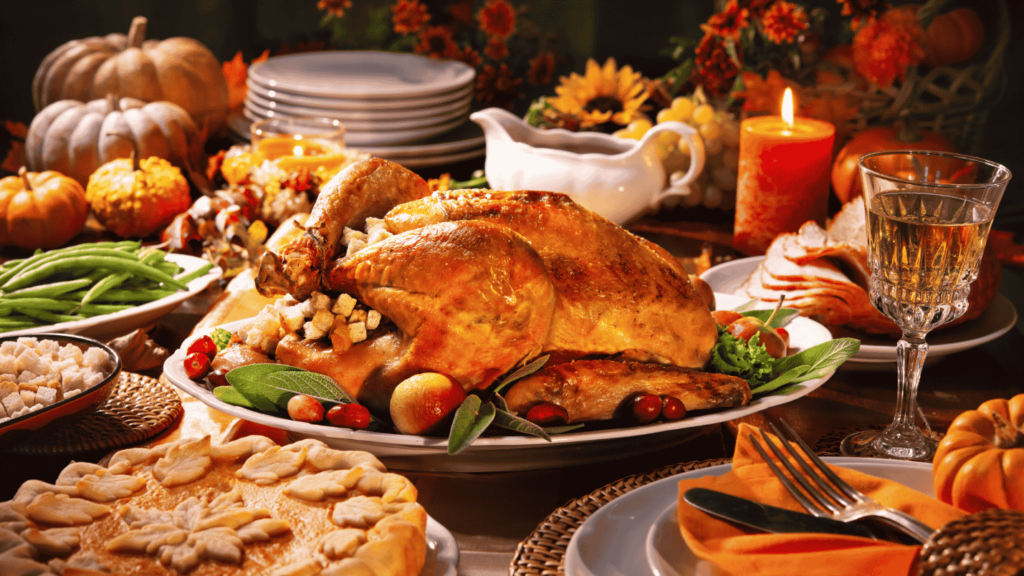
{"x":618,"y":178}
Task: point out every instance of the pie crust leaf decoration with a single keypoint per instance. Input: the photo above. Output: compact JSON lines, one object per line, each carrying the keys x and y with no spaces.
{"x":271,"y":465}
{"x":342,"y":543}
{"x":317,"y":487}
{"x":358,"y":512}
{"x":195,"y":531}
{"x":63,"y":510}
{"x":184,"y":463}
{"x":106,"y":487}
{"x":53,"y":542}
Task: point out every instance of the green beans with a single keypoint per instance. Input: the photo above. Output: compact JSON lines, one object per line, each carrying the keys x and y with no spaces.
{"x":88,"y":280}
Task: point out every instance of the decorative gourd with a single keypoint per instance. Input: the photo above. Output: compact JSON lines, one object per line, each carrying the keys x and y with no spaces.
{"x":845,"y":174}
{"x":75,"y":138}
{"x":43,"y":210}
{"x":952,"y":37}
{"x":134,"y":199}
{"x":979,"y":464}
{"x":179,"y":70}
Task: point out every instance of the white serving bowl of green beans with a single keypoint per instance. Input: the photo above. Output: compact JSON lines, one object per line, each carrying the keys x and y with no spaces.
{"x":101,"y":290}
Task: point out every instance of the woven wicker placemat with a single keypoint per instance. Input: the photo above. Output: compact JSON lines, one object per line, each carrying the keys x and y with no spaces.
{"x":138,"y":408}
{"x":543,"y":552}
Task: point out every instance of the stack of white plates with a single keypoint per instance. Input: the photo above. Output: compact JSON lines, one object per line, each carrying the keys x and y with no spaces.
{"x":403,"y":107}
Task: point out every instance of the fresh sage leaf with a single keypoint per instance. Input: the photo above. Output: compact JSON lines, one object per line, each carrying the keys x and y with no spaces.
{"x":509,"y":421}
{"x":781,"y":318}
{"x":231,"y":395}
{"x":249,"y":381}
{"x":822,"y":359}
{"x":523,"y":372}
{"x":471,"y":419}
{"x":319,"y":386}
{"x":788,"y":377}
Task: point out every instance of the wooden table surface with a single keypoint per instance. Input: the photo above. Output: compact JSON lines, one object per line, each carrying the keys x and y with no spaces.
{"x":490,"y":513}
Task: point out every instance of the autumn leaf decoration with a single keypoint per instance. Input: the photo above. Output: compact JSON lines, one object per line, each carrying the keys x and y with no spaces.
{"x":235,"y":72}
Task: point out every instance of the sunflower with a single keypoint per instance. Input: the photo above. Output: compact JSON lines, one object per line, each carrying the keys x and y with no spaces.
{"x":603,"y":94}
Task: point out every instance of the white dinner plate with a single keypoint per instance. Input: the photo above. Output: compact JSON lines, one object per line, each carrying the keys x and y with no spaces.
{"x":638,"y":533}
{"x":370,"y":116}
{"x":442,"y":551}
{"x":354,"y":138}
{"x":361,"y":106}
{"x":993,"y":323}
{"x":385,"y":124}
{"x":501,"y":453}
{"x":363,"y":75}
{"x":109,"y":326}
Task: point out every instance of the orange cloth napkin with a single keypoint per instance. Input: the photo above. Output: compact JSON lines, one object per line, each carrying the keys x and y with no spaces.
{"x":737,"y":552}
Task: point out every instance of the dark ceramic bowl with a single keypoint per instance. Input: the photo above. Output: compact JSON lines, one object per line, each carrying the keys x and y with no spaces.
{"x":18,"y":429}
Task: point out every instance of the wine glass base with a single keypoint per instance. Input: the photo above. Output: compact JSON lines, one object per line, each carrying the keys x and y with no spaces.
{"x":886,"y":444}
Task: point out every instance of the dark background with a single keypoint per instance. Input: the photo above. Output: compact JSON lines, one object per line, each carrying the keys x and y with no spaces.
{"x":634,"y":32}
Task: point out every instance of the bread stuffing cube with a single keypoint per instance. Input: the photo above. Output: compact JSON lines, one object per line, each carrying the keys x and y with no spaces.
{"x":70,"y":351}
{"x":13,"y":403}
{"x":344,"y":305}
{"x":372,"y":320}
{"x":7,"y":363}
{"x":92,"y":378}
{"x":320,"y":301}
{"x":47,"y":348}
{"x":357,"y":315}
{"x":355,"y":246}
{"x":348,"y":235}
{"x":46,"y":396}
{"x":27,"y":360}
{"x":292,"y":319}
{"x":378,"y":235}
{"x":26,"y":376}
{"x":7,"y":348}
{"x":28,"y":397}
{"x":71,"y":379}
{"x":358,"y":331}
{"x":341,"y":338}
{"x":96,"y":358}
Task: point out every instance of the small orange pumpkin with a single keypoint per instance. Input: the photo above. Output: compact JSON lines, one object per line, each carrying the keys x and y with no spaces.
{"x":954,"y":37}
{"x":979,"y":464}
{"x":41,"y":210}
{"x":845,"y":173}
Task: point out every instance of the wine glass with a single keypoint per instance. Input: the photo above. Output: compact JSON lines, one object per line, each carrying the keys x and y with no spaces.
{"x":928,"y":217}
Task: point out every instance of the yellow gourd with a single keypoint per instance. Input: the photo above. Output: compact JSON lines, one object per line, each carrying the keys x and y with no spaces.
{"x":134,"y":199}
{"x":980,"y":462}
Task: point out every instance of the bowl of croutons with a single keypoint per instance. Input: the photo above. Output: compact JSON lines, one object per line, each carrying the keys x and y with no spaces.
{"x":49,"y":379}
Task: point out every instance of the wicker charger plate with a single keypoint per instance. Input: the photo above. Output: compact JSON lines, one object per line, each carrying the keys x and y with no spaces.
{"x":543,"y":552}
{"x":138,"y":408}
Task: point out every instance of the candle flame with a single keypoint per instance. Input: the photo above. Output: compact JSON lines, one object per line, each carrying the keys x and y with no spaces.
{"x":298,"y":151}
{"x":787,"y":108}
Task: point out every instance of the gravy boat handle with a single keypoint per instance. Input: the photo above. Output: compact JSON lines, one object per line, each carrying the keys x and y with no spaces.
{"x":696,"y":144}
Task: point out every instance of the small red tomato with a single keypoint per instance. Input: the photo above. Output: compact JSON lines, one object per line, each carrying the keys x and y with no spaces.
{"x":644,"y":408}
{"x":725,"y":317}
{"x":204,"y":345}
{"x":672,"y":408}
{"x":354,"y":416}
{"x":305,"y":408}
{"x":197,"y":365}
{"x":784,"y":334}
{"x":547,"y":414}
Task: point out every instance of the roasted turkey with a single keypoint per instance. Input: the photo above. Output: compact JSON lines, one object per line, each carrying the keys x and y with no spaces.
{"x":479,"y":282}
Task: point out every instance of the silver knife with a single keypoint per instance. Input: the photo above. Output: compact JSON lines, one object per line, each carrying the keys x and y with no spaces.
{"x":767,"y":518}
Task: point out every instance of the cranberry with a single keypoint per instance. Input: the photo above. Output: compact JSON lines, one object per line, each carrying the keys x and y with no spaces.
{"x":354,"y":416}
{"x":672,"y":408}
{"x":197,"y":365}
{"x":547,"y":414}
{"x":644,"y":408}
{"x":204,"y":345}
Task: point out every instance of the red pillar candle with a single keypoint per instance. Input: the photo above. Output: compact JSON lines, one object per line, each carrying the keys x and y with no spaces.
{"x":783,"y":181}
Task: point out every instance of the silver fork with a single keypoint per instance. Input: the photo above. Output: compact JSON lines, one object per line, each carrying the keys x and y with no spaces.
{"x":837,"y":500}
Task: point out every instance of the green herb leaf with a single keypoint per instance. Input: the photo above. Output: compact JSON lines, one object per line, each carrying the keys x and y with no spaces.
{"x":781,"y":318}
{"x":231,"y":395}
{"x":523,"y":372}
{"x":748,"y":360}
{"x":555,"y":430}
{"x":471,"y":419}
{"x":822,"y":359}
{"x":249,"y":381}
{"x":319,"y":386}
{"x":787,"y":377}
{"x":510,"y":421}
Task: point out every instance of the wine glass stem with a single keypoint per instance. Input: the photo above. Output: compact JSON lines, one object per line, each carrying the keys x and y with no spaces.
{"x":910,"y":354}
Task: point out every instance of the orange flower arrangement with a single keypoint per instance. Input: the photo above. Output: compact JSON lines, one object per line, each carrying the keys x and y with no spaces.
{"x":409,"y":16}
{"x":498,"y":19}
{"x":783,"y":21}
{"x":436,"y":42}
{"x":728,"y":23}
{"x":885,"y":47}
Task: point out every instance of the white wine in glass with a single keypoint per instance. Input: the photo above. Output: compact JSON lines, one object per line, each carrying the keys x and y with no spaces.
{"x":928,"y":219}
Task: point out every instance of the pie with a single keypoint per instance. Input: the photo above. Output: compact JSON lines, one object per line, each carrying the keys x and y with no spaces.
{"x":191,"y":507}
